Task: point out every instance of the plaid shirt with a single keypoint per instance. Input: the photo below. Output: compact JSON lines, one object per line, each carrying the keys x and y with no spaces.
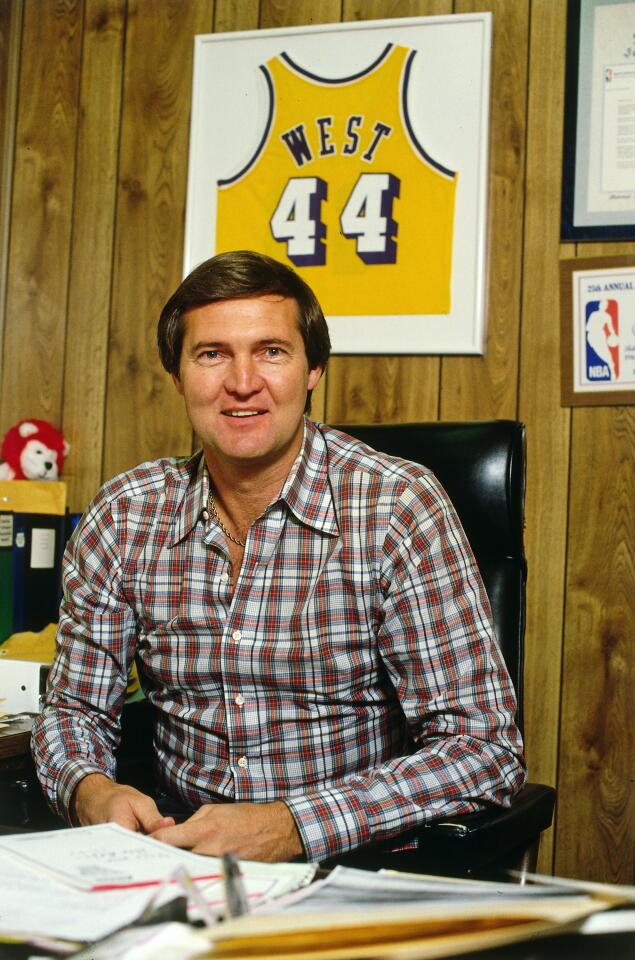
{"x":353,"y":673}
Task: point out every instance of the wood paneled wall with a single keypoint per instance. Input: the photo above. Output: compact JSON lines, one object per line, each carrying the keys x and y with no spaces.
{"x":94,"y":119}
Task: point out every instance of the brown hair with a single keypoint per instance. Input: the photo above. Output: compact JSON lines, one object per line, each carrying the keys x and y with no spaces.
{"x":232,"y":276}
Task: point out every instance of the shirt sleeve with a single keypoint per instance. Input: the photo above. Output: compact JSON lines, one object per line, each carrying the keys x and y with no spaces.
{"x":437,"y":645}
{"x":78,"y":729}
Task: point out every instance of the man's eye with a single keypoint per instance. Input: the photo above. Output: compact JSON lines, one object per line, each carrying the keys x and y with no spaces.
{"x":209,"y":355}
{"x":274,"y":352}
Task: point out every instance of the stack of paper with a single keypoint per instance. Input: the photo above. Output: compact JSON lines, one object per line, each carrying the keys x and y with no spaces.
{"x":81,"y":885}
{"x":357,"y":915}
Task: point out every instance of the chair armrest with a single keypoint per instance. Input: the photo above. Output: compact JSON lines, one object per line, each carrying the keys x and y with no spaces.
{"x":475,"y":842}
{"x":496,"y":828}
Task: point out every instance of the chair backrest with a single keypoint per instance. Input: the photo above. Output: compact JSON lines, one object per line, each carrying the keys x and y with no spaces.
{"x":481,"y":465}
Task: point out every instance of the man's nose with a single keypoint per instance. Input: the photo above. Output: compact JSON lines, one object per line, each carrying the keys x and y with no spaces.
{"x":243,"y":377}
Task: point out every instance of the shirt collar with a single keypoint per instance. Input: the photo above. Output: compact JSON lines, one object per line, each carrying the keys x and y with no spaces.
{"x":307,"y":490}
{"x":194,"y":499}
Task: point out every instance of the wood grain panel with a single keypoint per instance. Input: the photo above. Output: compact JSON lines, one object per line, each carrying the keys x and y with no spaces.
{"x":318,"y":400}
{"x":298,"y":13}
{"x":10,"y":38}
{"x":539,"y":398}
{"x":229,"y":15}
{"x":475,"y":388}
{"x":373,"y":389}
{"x":597,"y":748}
{"x":596,"y":819}
{"x":388,"y":9}
{"x":604,"y":249}
{"x":92,"y":247}
{"x":382,"y":389}
{"x":144,"y":415}
{"x":41,"y":212}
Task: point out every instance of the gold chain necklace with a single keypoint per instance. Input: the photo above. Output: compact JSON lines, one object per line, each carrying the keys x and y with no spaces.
{"x":212,"y":506}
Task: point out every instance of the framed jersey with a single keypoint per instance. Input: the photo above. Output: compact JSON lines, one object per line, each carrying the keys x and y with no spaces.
{"x":357,"y":154}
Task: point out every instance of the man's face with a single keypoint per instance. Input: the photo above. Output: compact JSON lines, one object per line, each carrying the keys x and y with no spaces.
{"x":244,"y":376}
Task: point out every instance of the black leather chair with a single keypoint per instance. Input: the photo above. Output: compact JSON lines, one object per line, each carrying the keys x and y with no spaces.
{"x":481,"y":464}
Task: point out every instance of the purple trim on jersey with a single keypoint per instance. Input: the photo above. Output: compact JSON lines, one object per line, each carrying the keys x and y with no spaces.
{"x":408,"y":125}
{"x":355,"y":76}
{"x":241,"y":173}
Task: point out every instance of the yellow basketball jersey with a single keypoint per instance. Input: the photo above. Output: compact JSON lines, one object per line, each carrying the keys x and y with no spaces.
{"x":342,"y":190}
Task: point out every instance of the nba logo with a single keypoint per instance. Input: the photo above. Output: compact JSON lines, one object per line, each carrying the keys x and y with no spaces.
{"x":602,"y":340}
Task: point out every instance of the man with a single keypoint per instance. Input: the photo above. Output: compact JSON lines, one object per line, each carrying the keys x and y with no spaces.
{"x":310,"y":627}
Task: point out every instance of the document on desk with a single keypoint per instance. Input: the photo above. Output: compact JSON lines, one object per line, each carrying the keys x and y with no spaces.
{"x":357,"y":914}
{"x":358,"y":890}
{"x":34,"y":905}
{"x":83,"y":884}
{"x":107,"y":857}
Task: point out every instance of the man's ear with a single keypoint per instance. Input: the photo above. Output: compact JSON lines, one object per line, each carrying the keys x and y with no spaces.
{"x":314,"y":377}
{"x":177,"y":383}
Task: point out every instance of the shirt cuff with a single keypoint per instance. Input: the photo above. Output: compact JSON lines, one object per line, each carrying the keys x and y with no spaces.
{"x":68,"y":779}
{"x":333,"y":821}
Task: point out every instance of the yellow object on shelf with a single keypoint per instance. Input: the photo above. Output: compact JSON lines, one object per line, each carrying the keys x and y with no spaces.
{"x":29,"y":645}
{"x":33,"y":496}
{"x":40,"y":647}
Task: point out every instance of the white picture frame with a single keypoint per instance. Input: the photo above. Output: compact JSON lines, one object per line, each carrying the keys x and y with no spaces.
{"x":446,"y":107}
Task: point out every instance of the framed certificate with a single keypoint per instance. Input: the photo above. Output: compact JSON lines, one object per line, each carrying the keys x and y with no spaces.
{"x":356,"y":153}
{"x":597,"y":306}
{"x":598,"y":178}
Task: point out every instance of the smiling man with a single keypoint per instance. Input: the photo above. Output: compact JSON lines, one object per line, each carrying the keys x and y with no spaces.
{"x":305,"y":612}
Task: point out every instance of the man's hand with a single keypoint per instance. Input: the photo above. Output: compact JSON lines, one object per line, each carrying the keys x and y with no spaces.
{"x":98,"y":800}
{"x":253,"y":831}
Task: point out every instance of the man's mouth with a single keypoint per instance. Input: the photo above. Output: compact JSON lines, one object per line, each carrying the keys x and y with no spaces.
{"x":243,"y":413}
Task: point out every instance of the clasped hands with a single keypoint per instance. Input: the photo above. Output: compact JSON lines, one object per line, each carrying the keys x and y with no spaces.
{"x":253,"y":831}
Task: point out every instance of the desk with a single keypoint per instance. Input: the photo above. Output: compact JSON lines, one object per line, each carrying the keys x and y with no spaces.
{"x":565,"y":946}
{"x":22,"y":804}
{"x":617,"y":946}
{"x":15,"y":740}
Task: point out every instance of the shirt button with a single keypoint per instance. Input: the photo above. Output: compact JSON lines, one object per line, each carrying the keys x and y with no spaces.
{"x":236,"y":635}
{"x":239,"y":700}
{"x":205,"y":515}
{"x":224,"y":577}
{"x":242,"y":762}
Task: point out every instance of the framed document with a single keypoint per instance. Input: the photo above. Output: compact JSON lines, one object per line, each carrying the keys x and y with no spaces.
{"x":598,"y":177}
{"x":355,"y":153}
{"x":597,"y":306}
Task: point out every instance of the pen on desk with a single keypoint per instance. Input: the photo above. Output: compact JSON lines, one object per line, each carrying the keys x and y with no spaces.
{"x":235,"y":897}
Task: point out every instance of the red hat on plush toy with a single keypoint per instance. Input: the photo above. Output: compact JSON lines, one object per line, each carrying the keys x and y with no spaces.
{"x":33,"y":450}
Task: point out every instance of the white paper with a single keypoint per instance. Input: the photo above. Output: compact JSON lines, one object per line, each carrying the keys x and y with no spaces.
{"x":52,"y":883}
{"x":611,"y":172}
{"x":6,"y":529}
{"x":169,"y":941}
{"x":42,"y":549}
{"x":360,"y":890}
{"x":33,"y":904}
{"x":106,"y":856}
{"x":618,"y":135}
{"x":611,"y":921}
